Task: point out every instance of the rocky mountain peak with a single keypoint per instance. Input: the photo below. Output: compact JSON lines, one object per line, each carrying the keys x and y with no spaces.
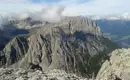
{"x":62,"y":45}
{"x":13,"y":51}
{"x":73,"y":24}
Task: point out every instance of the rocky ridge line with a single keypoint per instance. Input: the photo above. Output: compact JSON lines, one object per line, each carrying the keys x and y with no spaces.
{"x":117,"y":68}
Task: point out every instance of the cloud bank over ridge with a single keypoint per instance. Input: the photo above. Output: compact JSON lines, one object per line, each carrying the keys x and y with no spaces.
{"x":54,"y":10}
{"x":72,"y":7}
{"x":49,"y":13}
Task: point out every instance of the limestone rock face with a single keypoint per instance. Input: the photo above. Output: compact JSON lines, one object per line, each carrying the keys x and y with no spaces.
{"x":21,"y":74}
{"x":117,"y":68}
{"x":75,"y":45}
{"x":13,"y":51}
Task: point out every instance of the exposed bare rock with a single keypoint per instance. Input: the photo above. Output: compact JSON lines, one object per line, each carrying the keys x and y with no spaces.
{"x":67,"y":44}
{"x":117,"y":68}
{"x":21,"y":74}
{"x":75,"y":45}
{"x":13,"y":51}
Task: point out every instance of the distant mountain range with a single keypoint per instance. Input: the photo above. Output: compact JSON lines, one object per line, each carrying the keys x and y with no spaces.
{"x":125,"y":16}
{"x":115,"y":26}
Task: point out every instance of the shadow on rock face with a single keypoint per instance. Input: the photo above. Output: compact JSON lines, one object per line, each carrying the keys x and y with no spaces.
{"x":34,"y":67}
{"x":117,"y":78}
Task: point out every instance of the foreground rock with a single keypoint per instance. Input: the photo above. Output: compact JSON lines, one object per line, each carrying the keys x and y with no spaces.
{"x":117,"y":68}
{"x":21,"y":74}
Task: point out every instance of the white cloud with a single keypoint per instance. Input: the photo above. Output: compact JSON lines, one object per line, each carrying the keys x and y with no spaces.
{"x":72,"y":7}
{"x":93,"y":7}
{"x":3,"y":20}
{"x":49,"y":13}
{"x":20,"y":9}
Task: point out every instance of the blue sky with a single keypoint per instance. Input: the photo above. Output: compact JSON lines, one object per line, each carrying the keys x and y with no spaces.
{"x":71,"y":7}
{"x":36,"y":1}
{"x":47,"y":1}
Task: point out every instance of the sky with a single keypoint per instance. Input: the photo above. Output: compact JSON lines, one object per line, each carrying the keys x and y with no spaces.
{"x":71,"y":7}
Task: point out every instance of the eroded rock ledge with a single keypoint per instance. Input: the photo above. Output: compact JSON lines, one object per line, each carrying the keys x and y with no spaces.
{"x":117,"y":68}
{"x":21,"y":74}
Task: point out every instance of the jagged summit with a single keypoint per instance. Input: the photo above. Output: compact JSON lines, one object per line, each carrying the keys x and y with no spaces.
{"x":73,"y":24}
{"x":13,"y":51}
{"x":64,"y":45}
{"x":67,"y":44}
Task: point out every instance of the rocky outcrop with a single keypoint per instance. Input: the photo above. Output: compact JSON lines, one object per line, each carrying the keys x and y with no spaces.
{"x":117,"y":68}
{"x":67,"y":44}
{"x":21,"y":74}
{"x":13,"y":51}
{"x":74,"y":44}
{"x":8,"y":32}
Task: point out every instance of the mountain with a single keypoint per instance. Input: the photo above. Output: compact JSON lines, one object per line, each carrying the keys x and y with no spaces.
{"x":13,"y":51}
{"x":8,"y":32}
{"x":62,"y":45}
{"x":23,"y":74}
{"x":117,"y":29}
{"x":117,"y":67}
{"x":125,"y":16}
